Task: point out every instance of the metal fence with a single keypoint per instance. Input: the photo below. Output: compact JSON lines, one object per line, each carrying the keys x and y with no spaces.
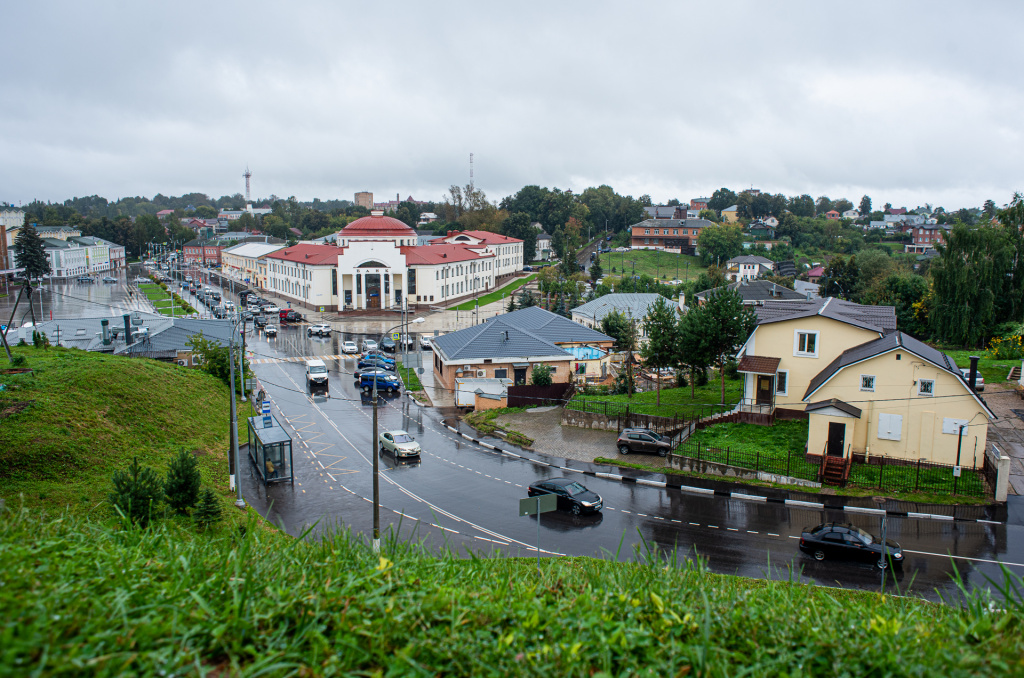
{"x":678,"y":411}
{"x":883,"y":473}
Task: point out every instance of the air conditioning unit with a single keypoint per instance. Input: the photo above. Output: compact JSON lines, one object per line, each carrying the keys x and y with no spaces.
{"x":183,"y":363}
{"x":467,"y":368}
{"x":481,"y":373}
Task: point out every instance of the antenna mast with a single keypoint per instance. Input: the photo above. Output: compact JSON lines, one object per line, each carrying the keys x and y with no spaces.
{"x":247,"y":175}
{"x":471,"y":170}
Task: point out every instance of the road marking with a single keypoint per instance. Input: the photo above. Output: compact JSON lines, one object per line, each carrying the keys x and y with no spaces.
{"x":751,"y":532}
{"x":697,"y":524}
{"x":793,"y":537}
{"x":978,"y":560}
{"x":713,"y":527}
{"x":732,"y":529}
{"x":771,"y":534}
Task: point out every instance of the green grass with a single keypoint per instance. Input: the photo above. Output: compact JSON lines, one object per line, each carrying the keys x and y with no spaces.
{"x":82,"y":597}
{"x":661,"y":265}
{"x":496,"y":295}
{"x":675,"y":402}
{"x":163,"y":302}
{"x":409,"y":376}
{"x":89,"y":414}
{"x":994,"y":371}
{"x":483,"y":421}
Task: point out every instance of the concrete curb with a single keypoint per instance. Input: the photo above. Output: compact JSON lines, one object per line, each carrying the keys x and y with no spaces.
{"x":743,"y":496}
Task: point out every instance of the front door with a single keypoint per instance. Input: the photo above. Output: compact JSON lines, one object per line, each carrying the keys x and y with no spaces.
{"x":764,"y":389}
{"x":372,"y":290}
{"x":836,"y":438}
{"x":520,"y":376}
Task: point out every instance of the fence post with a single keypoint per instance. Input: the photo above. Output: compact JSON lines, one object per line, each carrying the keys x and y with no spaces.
{"x":627,"y":415}
{"x":881,"y":470}
{"x":606,"y":408}
{"x":727,"y":448}
{"x":917,"y":480}
{"x":757,"y":460}
{"x":698,"y":450}
{"x":789,"y":457}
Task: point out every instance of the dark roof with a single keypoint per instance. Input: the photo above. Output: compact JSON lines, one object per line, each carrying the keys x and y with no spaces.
{"x":836,"y":403}
{"x":890,"y":342}
{"x":881,"y":319}
{"x":757,"y":290}
{"x":757,"y":364}
{"x":751,"y":259}
{"x":530,"y":332}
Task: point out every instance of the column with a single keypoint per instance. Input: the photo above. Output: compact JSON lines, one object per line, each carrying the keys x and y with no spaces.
{"x":385,"y":290}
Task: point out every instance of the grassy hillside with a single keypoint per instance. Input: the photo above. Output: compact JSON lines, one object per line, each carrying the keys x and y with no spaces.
{"x":167,"y":602}
{"x":78,"y":416}
{"x":657,"y":264}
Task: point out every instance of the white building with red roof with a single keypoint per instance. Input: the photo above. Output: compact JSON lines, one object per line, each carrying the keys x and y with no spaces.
{"x":507,"y":251}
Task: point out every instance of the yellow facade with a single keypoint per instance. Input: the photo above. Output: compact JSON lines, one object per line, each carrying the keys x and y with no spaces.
{"x":730,"y":216}
{"x":928,"y":425}
{"x":781,"y":340}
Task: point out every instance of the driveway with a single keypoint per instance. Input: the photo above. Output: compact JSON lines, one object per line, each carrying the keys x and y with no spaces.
{"x":1007,"y":431}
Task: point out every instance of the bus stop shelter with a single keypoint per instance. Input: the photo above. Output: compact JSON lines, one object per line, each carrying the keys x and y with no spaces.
{"x":270,"y":449}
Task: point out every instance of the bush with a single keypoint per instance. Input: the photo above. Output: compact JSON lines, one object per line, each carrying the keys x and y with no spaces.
{"x":732,"y":371}
{"x":136,"y":493}
{"x":541,"y":375}
{"x":1007,"y":347}
{"x":182,"y":484}
{"x":18,"y":360}
{"x":702,"y":377}
{"x":681,"y":379}
{"x":209,"y":512}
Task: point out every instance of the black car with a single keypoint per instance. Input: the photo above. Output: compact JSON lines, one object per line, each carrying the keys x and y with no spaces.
{"x":843,"y":541}
{"x":388,"y":344}
{"x":259,"y":321}
{"x":572,"y":496}
{"x":642,"y":440}
{"x":290,"y":316}
{"x":370,"y":363}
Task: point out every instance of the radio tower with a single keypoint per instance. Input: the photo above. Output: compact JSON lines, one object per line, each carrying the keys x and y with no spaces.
{"x":471,"y":170}
{"x":247,"y":175}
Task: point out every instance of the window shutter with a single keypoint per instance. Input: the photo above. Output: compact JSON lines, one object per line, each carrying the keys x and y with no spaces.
{"x":890,"y":426}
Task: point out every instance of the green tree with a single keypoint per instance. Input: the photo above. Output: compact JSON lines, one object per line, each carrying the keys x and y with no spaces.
{"x":872,"y":267}
{"x":526,"y":299}
{"x":595,"y":268}
{"x":617,"y":326}
{"x":989,"y":209}
{"x":721,"y":199}
{"x":906,"y":293}
{"x":840,"y":279}
{"x":136,"y":493}
{"x":822,"y":205}
{"x":865,"y":206}
{"x":694,"y":351}
{"x":802,"y":205}
{"x":205,"y":212}
{"x":724,"y":323}
{"x":214,"y":356}
{"x":518,"y":225}
{"x":541,"y":375}
{"x":719,"y":243}
{"x":181,"y":487}
{"x":842,"y":205}
{"x":30,"y":253}
{"x":662,"y":347}
{"x":209,"y":511}
{"x":710,"y":215}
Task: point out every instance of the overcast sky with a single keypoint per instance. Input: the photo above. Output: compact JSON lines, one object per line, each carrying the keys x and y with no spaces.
{"x":907,"y":102}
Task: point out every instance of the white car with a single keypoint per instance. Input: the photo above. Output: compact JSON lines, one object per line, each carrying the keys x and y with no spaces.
{"x":369,"y":345}
{"x":322,"y":330}
{"x":349,"y":347}
{"x":425,"y":341}
{"x":271,"y":309}
{"x":399,"y":443}
{"x":270,"y":330}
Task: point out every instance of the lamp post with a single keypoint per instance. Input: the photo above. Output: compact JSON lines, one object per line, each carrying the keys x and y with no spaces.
{"x":237,"y":481}
{"x":373,"y":451}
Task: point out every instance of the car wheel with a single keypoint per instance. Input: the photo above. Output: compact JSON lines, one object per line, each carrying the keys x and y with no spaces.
{"x":882,"y":564}
{"x":819,"y":555}
{"x":390,"y":390}
{"x":575,"y":509}
{"x":663,"y":452}
{"x":366,"y":389}
{"x":623,"y":449}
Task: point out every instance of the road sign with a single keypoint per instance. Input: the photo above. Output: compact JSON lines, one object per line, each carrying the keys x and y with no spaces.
{"x":266,"y":407}
{"x":395,"y":335}
{"x":542,"y":503}
{"x":956,"y":471}
{"x":321,"y":309}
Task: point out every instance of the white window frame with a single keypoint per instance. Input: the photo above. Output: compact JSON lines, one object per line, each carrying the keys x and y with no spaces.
{"x":890,"y":426}
{"x":780,"y":392}
{"x":867,"y":388}
{"x":920,"y":387}
{"x":796,"y":344}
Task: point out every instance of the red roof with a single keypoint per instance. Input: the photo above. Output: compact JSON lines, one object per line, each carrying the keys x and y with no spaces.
{"x":163,"y":213}
{"x":442,"y":254}
{"x":485,"y":237}
{"x":376,"y":225}
{"x":316,"y":255}
{"x":898,"y":210}
{"x":816,"y":272}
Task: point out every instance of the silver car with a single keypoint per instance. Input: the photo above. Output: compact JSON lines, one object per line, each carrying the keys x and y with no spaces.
{"x":979,"y":381}
{"x":399,"y":443}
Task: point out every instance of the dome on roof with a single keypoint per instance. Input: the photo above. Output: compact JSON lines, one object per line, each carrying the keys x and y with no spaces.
{"x":376,"y":224}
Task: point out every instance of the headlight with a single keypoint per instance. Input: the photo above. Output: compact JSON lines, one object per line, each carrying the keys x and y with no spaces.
{"x":897,"y":556}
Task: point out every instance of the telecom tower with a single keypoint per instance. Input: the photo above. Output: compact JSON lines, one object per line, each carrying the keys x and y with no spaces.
{"x":471,"y":170}
{"x":247,"y":176}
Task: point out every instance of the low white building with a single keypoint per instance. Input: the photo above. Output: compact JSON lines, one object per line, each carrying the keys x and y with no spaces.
{"x":245,"y":262}
{"x":747,"y":267}
{"x":66,"y":258}
{"x":508,"y":251}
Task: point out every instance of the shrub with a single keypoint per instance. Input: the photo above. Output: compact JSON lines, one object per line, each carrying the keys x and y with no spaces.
{"x":208,"y":513}
{"x":18,"y":360}
{"x":732,"y":370}
{"x":182,"y":484}
{"x":541,"y":375}
{"x":681,"y":379}
{"x":136,"y":493}
{"x":702,"y":377}
{"x":1007,"y":347}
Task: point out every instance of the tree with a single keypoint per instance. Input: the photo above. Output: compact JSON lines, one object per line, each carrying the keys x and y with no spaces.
{"x":724,"y":323}
{"x":181,"y":486}
{"x":595,"y":268}
{"x":822,"y":205}
{"x":526,"y":299}
{"x":209,"y":512}
{"x":709,"y":215}
{"x":205,"y":212}
{"x":842,"y":205}
{"x":541,"y":375}
{"x":661,"y":349}
{"x":989,"y":209}
{"x":865,"y":206}
{"x":136,"y":492}
{"x":719,"y":243}
{"x":907,"y":294}
{"x":617,"y":326}
{"x":518,"y":225}
{"x":872,"y":267}
{"x":30,"y":253}
{"x":840,"y":278}
{"x":802,"y":205}
{"x":721,"y":199}
{"x":214,"y":358}
{"x":693,"y":349}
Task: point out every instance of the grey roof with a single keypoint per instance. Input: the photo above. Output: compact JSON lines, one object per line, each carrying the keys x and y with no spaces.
{"x":807,"y":288}
{"x":634,"y":305}
{"x":166,"y":335}
{"x":890,"y":342}
{"x":836,"y":403}
{"x":673,"y":223}
{"x":531,"y":332}
{"x":881,"y":319}
{"x":751,"y":259}
{"x":757,"y":290}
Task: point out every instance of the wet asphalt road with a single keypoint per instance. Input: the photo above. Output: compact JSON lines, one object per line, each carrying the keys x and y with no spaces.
{"x":463,"y":497}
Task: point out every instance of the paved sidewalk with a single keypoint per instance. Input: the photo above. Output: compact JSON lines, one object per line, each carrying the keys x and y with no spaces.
{"x":1007,"y":432}
{"x":543,"y":424}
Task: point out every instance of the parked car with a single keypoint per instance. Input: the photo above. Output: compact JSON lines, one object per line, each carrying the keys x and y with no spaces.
{"x":270,"y":330}
{"x":399,"y":443}
{"x":388,"y":383}
{"x":188,"y":278}
{"x":322,"y":330}
{"x":979,"y":381}
{"x":370,"y":370}
{"x":388,"y":344}
{"x":406,"y":342}
{"x":527,"y":268}
{"x":270,"y":308}
{"x":259,"y":321}
{"x":365,"y":363}
{"x":642,"y":440}
{"x":108,"y":279}
{"x":843,"y":541}
{"x":85,"y":279}
{"x":377,"y":355}
{"x":349,"y":347}
{"x":288,"y":315}
{"x":369,"y":345}
{"x":572,"y":496}
{"x":425,"y":341}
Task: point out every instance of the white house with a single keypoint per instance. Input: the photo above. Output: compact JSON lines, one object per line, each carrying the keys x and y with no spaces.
{"x":851,"y":214}
{"x":66,"y":259}
{"x":508,"y":251}
{"x":245,"y":261}
{"x":747,"y":267}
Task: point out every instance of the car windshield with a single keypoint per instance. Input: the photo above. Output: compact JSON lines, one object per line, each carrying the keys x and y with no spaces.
{"x":574,"y":488}
{"x":317,"y":369}
{"x":403,"y":438}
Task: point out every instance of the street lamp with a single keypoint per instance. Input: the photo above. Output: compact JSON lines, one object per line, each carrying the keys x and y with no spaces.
{"x":374,"y":443}
{"x":240,"y":503}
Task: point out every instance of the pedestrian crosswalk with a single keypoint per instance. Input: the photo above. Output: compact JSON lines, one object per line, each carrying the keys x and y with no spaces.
{"x":300,"y":359}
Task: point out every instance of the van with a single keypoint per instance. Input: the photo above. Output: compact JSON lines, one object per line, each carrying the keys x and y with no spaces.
{"x":316,"y":373}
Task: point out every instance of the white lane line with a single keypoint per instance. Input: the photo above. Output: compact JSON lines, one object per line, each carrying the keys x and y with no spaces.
{"x":771,"y":534}
{"x":713,"y":527}
{"x":697,"y":524}
{"x":642,"y":514}
{"x":751,"y":532}
{"x":793,"y":537}
{"x":679,"y":521}
{"x":332,"y":477}
{"x":732,"y":529}
{"x":977,"y":560}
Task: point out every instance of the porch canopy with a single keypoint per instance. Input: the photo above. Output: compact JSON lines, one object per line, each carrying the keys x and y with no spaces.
{"x":757,"y":364}
{"x":833,"y":407}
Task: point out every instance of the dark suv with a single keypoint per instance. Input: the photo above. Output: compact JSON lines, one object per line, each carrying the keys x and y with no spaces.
{"x":642,"y":440}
